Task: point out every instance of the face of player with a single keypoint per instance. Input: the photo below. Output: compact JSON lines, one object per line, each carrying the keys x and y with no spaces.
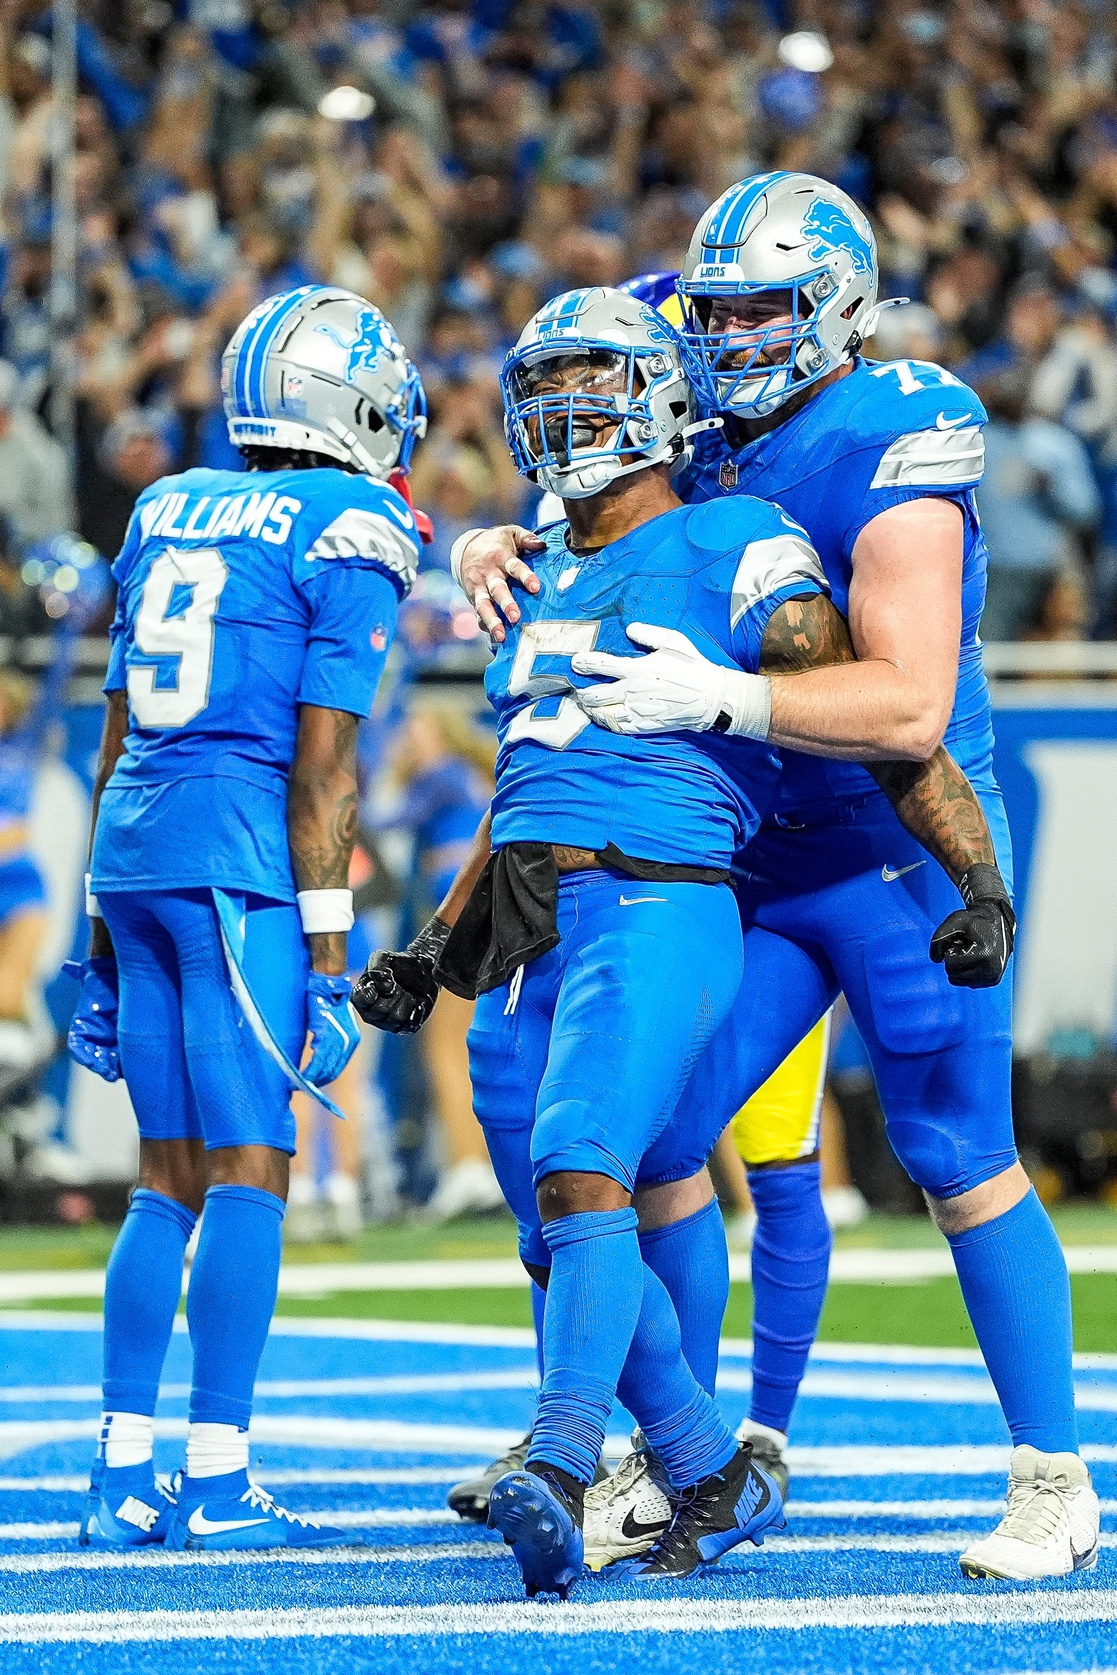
{"x":757,"y":327}
{"x":598,"y":375}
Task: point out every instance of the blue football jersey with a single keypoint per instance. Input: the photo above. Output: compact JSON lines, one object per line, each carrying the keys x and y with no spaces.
{"x":900,"y":430}
{"x":716,"y":573}
{"x":240,"y":597}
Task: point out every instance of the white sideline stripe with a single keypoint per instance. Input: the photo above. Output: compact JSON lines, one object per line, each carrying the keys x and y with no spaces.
{"x":404,"y":1384}
{"x":388,"y":1474}
{"x":849,"y":1267}
{"x":761,"y":1616}
{"x":523,"y":1337}
{"x":388,"y":1517}
{"x":147,"y":1558}
{"x":882,"y":1386}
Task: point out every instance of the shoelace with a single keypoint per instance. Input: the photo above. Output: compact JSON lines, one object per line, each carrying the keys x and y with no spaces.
{"x":633,"y":1465}
{"x":1035,"y":1511}
{"x":692,"y":1511}
{"x":261,"y":1499}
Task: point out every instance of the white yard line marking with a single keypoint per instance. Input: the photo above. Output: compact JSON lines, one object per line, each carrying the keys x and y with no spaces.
{"x":756,"y":1615}
{"x":847,"y":1267}
{"x":147,"y":1558}
{"x":387,"y":1474}
{"x":302,"y":1431}
{"x":404,"y":1384}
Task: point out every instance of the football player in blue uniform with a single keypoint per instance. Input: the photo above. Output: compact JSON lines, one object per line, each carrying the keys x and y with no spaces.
{"x":253,"y":618}
{"x":610,"y":858}
{"x":878,"y":462}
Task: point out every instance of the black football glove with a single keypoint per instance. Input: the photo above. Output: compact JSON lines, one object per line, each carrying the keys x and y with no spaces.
{"x":397,"y":991}
{"x":974,"y":944}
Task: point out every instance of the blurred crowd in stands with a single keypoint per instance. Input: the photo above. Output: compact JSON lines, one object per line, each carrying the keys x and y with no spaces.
{"x":460,"y":162}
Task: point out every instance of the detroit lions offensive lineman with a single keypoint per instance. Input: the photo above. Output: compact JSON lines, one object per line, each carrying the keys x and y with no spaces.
{"x":609,"y":865}
{"x":253,"y":618}
{"x":878,"y":463}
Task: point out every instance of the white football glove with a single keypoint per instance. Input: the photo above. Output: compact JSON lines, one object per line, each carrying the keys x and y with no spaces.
{"x":674,"y":689}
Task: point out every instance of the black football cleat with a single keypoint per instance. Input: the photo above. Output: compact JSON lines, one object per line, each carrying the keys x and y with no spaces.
{"x":739,"y":1503}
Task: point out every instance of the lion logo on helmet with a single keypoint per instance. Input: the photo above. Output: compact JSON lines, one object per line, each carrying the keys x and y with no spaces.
{"x":828,"y":228}
{"x":374,"y":338}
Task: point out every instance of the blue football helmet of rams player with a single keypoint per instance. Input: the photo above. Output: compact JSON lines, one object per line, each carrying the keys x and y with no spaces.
{"x":779,"y":288}
{"x":320,"y":370}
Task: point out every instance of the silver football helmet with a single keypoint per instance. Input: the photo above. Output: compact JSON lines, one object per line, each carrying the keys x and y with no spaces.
{"x":321,"y":370}
{"x":801,"y":260}
{"x":593,"y":390}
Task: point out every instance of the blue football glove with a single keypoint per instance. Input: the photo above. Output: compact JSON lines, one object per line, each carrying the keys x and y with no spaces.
{"x":332,"y":1026}
{"x":92,"y":1037}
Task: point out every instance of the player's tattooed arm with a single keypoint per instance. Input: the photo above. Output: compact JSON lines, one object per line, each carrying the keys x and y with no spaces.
{"x":933,"y":800}
{"x":113,"y":734}
{"x":322,"y":816}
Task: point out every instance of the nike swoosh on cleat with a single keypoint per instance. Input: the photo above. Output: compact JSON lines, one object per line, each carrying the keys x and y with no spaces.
{"x":890,"y":874}
{"x":199,"y":1524}
{"x":943,"y":423}
{"x":633,"y":1529}
{"x":634,"y":901}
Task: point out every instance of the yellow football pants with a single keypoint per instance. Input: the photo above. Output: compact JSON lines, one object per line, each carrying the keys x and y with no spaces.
{"x":780,"y":1122}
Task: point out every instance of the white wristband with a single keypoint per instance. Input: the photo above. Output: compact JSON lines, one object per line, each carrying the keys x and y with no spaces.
{"x":747,"y":699}
{"x":456,"y":552}
{"x":325,"y":910}
{"x":92,"y":905}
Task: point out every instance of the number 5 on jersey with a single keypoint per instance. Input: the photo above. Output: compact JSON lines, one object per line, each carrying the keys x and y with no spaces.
{"x":171,"y":625}
{"x":548,"y":639}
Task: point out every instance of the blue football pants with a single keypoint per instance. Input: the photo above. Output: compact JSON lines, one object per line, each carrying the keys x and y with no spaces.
{"x":580,"y":1065}
{"x":850,"y":907}
{"x":193,"y":1066}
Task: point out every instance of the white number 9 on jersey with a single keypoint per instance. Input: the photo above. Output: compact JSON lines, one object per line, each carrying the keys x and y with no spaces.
{"x":187,"y":635}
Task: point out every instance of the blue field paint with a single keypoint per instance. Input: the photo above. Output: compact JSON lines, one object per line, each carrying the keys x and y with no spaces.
{"x":852,"y":1535}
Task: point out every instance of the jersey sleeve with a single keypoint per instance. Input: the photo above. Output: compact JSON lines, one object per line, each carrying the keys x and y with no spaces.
{"x":357,"y":524}
{"x":771,"y":561}
{"x":352,"y":623}
{"x":916,"y":434}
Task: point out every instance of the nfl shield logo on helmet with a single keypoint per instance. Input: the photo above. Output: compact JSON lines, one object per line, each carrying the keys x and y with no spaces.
{"x":727,"y":476}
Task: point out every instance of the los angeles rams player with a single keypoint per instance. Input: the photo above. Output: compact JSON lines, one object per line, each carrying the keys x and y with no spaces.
{"x":573,"y":1111}
{"x":253,"y":618}
{"x":878,"y":463}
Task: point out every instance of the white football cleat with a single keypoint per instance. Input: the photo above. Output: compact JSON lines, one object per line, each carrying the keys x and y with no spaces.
{"x":1050,"y":1527}
{"x":630,"y":1510}
{"x":468,"y":1188}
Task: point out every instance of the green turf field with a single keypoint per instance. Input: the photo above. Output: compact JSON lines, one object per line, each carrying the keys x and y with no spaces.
{"x":928,"y":1313}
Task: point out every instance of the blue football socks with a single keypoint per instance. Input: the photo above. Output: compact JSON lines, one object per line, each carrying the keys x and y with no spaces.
{"x":790,"y":1266}
{"x":538,"y":1308}
{"x":691,"y":1258}
{"x":678,"y":1417}
{"x":593,"y":1303}
{"x":231,"y":1300}
{"x":1014,"y":1281}
{"x":143,"y":1285}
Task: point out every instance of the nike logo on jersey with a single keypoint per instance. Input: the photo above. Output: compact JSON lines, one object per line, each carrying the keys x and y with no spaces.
{"x":404,"y":521}
{"x":634,"y":901}
{"x":943,"y":423}
{"x":890,"y":874}
{"x":568,"y":577}
{"x":199,"y":1524}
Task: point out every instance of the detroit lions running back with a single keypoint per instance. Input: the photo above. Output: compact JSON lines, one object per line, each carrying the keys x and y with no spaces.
{"x":253,"y":619}
{"x":878,"y":462}
{"x":576,"y":1114}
